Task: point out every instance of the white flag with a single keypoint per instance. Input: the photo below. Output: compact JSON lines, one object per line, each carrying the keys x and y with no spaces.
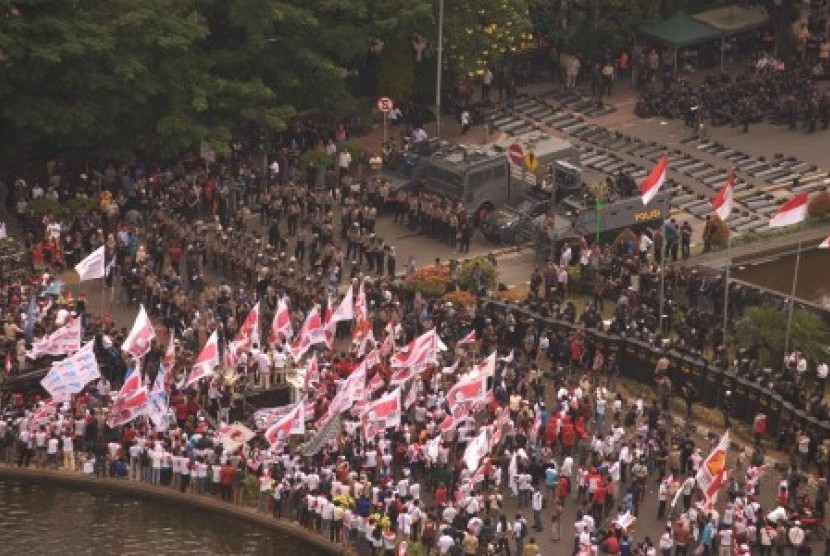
{"x":92,"y":266}
{"x":476,"y":450}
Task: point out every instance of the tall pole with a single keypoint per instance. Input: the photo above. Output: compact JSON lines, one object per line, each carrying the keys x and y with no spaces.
{"x":439,"y":68}
{"x":726,"y":284}
{"x":662,"y":283}
{"x":792,"y":300}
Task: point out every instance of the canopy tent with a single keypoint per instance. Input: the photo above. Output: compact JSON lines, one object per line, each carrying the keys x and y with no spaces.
{"x":734,"y":19}
{"x":681,"y":30}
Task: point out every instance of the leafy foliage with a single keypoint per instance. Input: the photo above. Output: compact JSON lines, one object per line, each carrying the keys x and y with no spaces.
{"x":430,"y":281}
{"x":765,"y":327}
{"x":487,"y":272}
{"x":482,"y":31}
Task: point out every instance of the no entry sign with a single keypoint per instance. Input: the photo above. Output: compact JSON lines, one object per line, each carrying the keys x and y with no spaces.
{"x":515,"y":153}
{"x":385,"y":104}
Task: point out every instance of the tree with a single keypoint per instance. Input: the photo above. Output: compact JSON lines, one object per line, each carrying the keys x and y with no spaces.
{"x":765,"y":327}
{"x":479,"y":32}
{"x":396,"y":78}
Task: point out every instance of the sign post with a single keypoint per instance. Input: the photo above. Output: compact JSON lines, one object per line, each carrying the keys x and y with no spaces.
{"x":385,"y":105}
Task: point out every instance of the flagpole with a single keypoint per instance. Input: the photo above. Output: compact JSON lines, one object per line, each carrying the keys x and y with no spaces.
{"x":726,"y":284}
{"x":662,"y":284}
{"x":792,"y":300}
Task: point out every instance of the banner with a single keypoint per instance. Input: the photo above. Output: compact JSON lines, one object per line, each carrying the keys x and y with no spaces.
{"x":70,"y":376}
{"x":63,"y":341}
{"x":712,"y":473}
{"x":158,"y":406}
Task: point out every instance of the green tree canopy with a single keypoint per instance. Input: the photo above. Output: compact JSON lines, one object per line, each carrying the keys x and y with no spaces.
{"x":765,"y":327}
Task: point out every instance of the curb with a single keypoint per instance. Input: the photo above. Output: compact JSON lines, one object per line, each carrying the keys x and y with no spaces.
{"x":143,"y":490}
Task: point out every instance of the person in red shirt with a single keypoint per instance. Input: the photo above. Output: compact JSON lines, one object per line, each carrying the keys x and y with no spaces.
{"x":562,"y":488}
{"x":226,"y":481}
{"x":174,"y":254}
{"x":568,"y":438}
{"x":598,"y":501}
{"x":441,"y":497}
{"x":611,"y":545}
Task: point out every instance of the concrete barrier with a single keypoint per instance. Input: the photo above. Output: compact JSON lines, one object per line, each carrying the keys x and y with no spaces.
{"x":143,"y":490}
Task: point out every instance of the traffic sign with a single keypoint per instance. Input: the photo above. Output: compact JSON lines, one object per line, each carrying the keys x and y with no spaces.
{"x":515,"y":153}
{"x":531,"y":162}
{"x":385,"y":104}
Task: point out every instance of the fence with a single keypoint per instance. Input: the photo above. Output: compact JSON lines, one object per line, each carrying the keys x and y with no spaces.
{"x":637,"y":360}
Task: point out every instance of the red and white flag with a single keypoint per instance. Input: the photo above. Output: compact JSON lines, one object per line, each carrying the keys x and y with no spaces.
{"x":825,"y":244}
{"x":310,"y":333}
{"x":468,"y":339}
{"x":376,"y":382}
{"x":650,"y":186}
{"x":419,"y":352}
{"x":138,"y":341}
{"x":233,"y":436}
{"x":468,"y":390}
{"x":130,"y":401}
{"x":329,"y":325}
{"x":382,"y":413}
{"x":487,"y":366}
{"x":168,"y":362}
{"x":312,"y":374}
{"x":292,"y":423}
{"x":281,"y":328}
{"x":451,"y":369}
{"x":207,"y":360}
{"x":791,"y":212}
{"x":712,"y":472}
{"x":345,"y":311}
{"x":411,"y":396}
{"x":447,"y":424}
{"x":723,"y":201}
{"x":248,"y":333}
{"x":63,"y":341}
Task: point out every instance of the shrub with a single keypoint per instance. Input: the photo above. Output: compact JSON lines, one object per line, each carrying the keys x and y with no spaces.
{"x":431,"y":281}
{"x":819,"y":206}
{"x":460,"y":298}
{"x":489,"y":274}
{"x":315,"y":159}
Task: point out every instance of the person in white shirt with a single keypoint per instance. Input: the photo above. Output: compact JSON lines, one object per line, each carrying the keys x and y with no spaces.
{"x":445,"y":542}
{"x":52,"y":451}
{"x":821,"y":375}
{"x":644,"y":246}
{"x":68,"y":452}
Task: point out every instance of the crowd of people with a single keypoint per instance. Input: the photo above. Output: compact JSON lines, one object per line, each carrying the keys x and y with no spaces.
{"x":561,"y":437}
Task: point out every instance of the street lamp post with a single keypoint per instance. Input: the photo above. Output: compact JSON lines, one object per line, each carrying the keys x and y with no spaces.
{"x":438,"y":68}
